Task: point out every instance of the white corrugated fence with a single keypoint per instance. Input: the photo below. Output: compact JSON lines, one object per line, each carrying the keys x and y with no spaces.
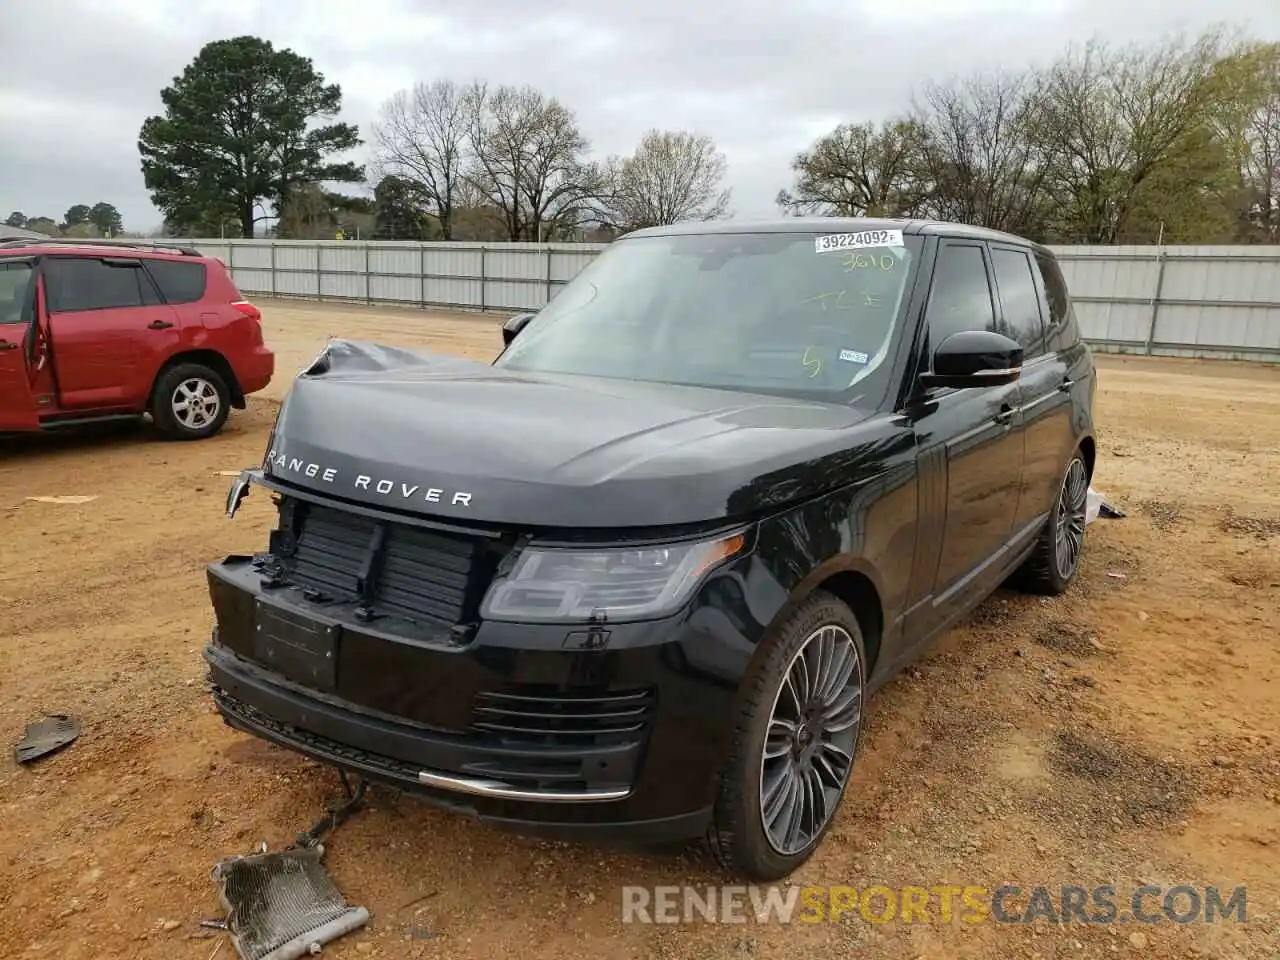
{"x":1166,"y":301}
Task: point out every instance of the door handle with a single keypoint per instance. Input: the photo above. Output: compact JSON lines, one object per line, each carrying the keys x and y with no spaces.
{"x":1005,"y":414}
{"x":159,"y":325}
{"x":1066,"y":385}
{"x":6,"y":345}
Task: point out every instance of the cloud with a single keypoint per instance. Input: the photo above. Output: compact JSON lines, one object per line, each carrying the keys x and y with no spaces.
{"x":763,"y":78}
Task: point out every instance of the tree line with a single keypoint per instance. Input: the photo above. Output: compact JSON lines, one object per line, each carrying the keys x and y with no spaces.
{"x":80,"y":221}
{"x":452,"y":156}
{"x":1177,"y":140}
{"x":249,"y":134}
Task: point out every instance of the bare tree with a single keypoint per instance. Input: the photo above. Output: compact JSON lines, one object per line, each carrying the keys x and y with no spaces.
{"x":976,"y":154}
{"x":421,"y":138}
{"x":1262,"y":172}
{"x":1124,"y":128}
{"x":673,"y":176}
{"x":307,"y":214}
{"x":1250,"y":123}
{"x":858,"y":170}
{"x":527,"y":160}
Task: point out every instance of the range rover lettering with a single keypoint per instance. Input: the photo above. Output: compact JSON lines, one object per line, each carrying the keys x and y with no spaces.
{"x":637,"y":577}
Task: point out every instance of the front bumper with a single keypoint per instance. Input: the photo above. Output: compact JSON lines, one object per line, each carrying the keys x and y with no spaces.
{"x":520,"y":725}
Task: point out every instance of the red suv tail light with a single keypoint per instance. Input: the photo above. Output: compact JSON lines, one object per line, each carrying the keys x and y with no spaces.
{"x":248,"y":309}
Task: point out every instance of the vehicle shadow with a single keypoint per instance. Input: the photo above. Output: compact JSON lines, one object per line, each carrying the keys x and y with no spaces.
{"x":112,"y":435}
{"x":94,"y":436}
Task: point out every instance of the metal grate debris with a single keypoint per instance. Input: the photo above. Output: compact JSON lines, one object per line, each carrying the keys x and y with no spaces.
{"x":279,"y":904}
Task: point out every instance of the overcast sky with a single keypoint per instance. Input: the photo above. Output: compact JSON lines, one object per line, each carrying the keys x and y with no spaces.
{"x":763,"y":77}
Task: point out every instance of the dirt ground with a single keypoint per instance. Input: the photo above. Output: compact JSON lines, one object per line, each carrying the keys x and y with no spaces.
{"x":1126,"y":733}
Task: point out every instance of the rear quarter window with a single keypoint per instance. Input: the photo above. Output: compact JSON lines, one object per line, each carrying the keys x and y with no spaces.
{"x":179,"y":282}
{"x":1062,"y":333}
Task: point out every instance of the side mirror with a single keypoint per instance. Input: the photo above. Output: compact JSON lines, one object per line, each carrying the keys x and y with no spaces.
{"x":514,"y":325}
{"x":974,"y":358}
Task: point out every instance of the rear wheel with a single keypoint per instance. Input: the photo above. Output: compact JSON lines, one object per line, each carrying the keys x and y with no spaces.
{"x":190,"y":402}
{"x":794,"y":745}
{"x":1055,"y":561}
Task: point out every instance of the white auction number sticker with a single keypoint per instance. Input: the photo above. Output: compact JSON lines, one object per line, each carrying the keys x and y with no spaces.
{"x":857,"y":241}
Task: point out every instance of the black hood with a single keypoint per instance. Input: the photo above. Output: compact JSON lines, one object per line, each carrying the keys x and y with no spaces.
{"x":464,"y":440}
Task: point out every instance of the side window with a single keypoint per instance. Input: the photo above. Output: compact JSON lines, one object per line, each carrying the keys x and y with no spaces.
{"x":15,"y":292}
{"x":1062,"y":332}
{"x":86,"y":283}
{"x":179,"y":282}
{"x":1019,"y":299}
{"x":961,"y":295}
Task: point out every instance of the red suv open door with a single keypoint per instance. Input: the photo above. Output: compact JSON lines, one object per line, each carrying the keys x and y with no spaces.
{"x":17,"y":338}
{"x":111,"y":330}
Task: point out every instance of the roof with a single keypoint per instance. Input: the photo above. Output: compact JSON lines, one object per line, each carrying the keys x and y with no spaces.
{"x":830,"y":225}
{"x":18,"y":233}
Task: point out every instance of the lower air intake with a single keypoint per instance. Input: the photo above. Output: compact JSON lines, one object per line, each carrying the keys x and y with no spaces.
{"x":279,"y":904}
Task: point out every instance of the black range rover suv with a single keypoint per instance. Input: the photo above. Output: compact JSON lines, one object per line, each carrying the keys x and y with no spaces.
{"x":638,"y":575}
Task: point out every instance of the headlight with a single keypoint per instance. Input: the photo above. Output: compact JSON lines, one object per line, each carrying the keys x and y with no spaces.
{"x":565,"y":584}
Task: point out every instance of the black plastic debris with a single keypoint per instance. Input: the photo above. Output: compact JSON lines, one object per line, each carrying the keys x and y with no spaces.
{"x":48,"y":736}
{"x":1110,"y":511}
{"x":281,"y":906}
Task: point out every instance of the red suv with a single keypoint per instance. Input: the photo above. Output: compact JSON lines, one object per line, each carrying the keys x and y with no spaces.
{"x":100,"y":330}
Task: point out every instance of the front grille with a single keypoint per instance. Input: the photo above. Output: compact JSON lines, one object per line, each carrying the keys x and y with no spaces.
{"x":563,"y":718}
{"x":388,"y":570}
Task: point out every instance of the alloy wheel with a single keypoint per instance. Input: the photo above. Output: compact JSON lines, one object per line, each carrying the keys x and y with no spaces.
{"x":1069,"y":529}
{"x":195,"y":403}
{"x":811,"y":738}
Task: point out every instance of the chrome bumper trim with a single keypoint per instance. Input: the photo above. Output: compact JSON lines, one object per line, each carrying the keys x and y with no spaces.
{"x":496,"y":789}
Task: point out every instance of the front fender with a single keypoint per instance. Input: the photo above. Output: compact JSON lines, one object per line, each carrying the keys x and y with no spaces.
{"x":867,"y":529}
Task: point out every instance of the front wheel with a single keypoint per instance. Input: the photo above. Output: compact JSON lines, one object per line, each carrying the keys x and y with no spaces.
{"x":1055,"y":560}
{"x":794,"y":745}
{"x":190,"y":402}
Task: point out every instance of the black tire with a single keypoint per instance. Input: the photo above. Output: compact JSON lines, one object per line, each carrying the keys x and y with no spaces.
{"x":1044,"y":572}
{"x":209,"y":401}
{"x":738,"y":836}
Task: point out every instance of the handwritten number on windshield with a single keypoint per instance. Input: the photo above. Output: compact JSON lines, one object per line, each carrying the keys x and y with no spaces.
{"x":865,"y":261}
{"x":813,"y":364}
{"x":835,"y":297}
{"x":840,"y":303}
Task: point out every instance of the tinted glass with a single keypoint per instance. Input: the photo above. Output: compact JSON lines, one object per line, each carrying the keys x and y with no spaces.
{"x":179,"y":282}
{"x":150,"y":294}
{"x":84,"y":283}
{"x":755,"y":312}
{"x":961,"y":295}
{"x":1019,"y":300}
{"x":15,"y":292}
{"x":1062,"y":331}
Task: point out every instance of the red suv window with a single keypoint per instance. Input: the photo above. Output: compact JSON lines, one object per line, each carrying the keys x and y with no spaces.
{"x":95,"y":283}
{"x":179,"y":282}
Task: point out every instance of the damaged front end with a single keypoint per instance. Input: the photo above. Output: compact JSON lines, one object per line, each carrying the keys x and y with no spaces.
{"x":378,"y":630}
{"x":356,"y":639}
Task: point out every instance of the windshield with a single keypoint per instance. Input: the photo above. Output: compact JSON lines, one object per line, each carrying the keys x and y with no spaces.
{"x":796,"y":314}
